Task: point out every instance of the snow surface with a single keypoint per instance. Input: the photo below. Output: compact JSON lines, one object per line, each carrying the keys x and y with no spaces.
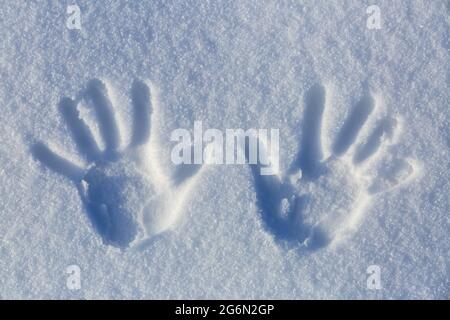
{"x":231,"y":64}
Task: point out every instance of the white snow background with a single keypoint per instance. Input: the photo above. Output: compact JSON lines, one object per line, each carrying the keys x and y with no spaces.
{"x":232,"y":64}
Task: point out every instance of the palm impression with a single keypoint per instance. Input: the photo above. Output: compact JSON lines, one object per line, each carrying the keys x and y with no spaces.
{"x":125,"y":191}
{"x":322,"y":198}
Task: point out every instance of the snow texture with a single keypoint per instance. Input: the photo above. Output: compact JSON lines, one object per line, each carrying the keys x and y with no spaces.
{"x":85,"y":171}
